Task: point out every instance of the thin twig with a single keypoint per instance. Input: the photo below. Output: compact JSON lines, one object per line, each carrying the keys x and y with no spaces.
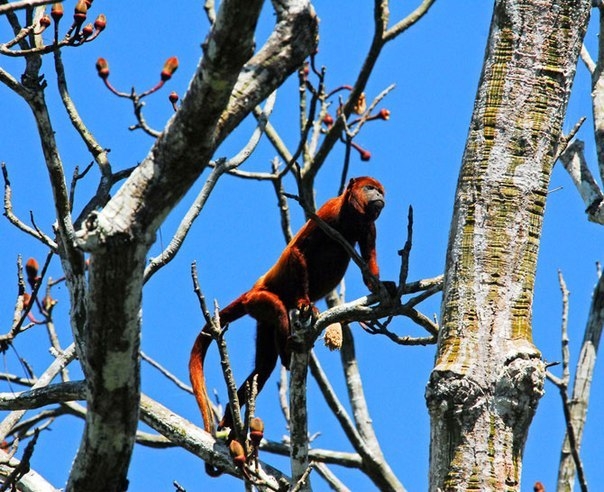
{"x":562,"y":385}
{"x":17,"y":327}
{"x":336,"y":406}
{"x":166,"y":373}
{"x":404,"y":254}
{"x":334,"y":482}
{"x":12,"y":418}
{"x":22,"y":468}
{"x":301,"y":483}
{"x":408,"y":21}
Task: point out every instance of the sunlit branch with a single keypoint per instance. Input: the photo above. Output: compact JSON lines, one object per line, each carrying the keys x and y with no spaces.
{"x":408,"y":21}
{"x":22,"y":4}
{"x":55,"y":368}
{"x":166,"y":373}
{"x":195,"y":440}
{"x":336,"y":406}
{"x":36,"y":398}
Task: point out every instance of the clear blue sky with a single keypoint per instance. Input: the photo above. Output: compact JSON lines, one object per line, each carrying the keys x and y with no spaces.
{"x":417,"y":154}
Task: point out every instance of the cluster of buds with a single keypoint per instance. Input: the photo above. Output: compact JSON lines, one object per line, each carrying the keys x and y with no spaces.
{"x":170,"y":66}
{"x":78,"y":33}
{"x":33,"y":279}
{"x":238,"y":451}
{"x":359,"y":108}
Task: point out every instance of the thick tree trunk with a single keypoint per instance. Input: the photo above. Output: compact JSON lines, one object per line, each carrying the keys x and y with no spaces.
{"x":488,"y":376}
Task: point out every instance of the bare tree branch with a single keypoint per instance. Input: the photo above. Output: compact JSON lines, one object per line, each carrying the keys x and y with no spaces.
{"x":573,"y":159}
{"x":575,"y":408}
{"x":44,"y":380}
{"x":195,"y":440}
{"x":22,"y":4}
{"x":39,"y":397}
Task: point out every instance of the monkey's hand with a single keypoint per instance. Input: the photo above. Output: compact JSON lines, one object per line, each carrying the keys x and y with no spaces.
{"x":305,"y":314}
{"x":300,"y":320}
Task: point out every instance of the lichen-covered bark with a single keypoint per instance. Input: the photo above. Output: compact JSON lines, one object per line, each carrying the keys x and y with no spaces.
{"x":488,"y":376}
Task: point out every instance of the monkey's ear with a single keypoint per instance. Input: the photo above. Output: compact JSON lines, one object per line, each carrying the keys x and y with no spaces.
{"x":351,"y":183}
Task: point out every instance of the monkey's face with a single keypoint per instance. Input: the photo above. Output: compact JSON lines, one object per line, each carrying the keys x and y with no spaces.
{"x":374,"y":201}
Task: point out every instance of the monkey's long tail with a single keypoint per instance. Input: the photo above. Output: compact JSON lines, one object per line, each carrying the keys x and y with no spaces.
{"x":232,"y":312}
{"x":196,"y":374}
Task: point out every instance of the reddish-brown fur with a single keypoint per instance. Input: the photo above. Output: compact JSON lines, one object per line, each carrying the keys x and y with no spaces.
{"x":311,"y":265}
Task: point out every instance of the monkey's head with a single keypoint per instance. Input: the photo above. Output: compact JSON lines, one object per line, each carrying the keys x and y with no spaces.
{"x":366,"y":196}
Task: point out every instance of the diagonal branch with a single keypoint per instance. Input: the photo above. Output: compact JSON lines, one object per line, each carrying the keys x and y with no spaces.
{"x":575,"y":408}
{"x":55,"y":368}
{"x":22,"y":4}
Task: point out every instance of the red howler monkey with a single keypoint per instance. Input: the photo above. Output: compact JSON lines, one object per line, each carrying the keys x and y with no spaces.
{"x":311,"y":265}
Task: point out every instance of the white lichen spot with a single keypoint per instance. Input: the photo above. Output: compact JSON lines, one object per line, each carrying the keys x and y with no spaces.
{"x":116,"y":369}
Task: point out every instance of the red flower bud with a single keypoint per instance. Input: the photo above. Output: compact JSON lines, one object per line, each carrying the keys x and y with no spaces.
{"x":79,"y":13}
{"x":384,"y":114}
{"x":102,"y":68}
{"x":173,"y":97}
{"x":56,"y":12}
{"x":256,"y":430}
{"x":365,"y":155}
{"x":100,"y":23}
{"x":87,"y":30}
{"x":45,"y":21}
{"x":328,"y":119}
{"x":237,"y":453}
{"x":31,"y":269}
{"x":170,"y":67}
